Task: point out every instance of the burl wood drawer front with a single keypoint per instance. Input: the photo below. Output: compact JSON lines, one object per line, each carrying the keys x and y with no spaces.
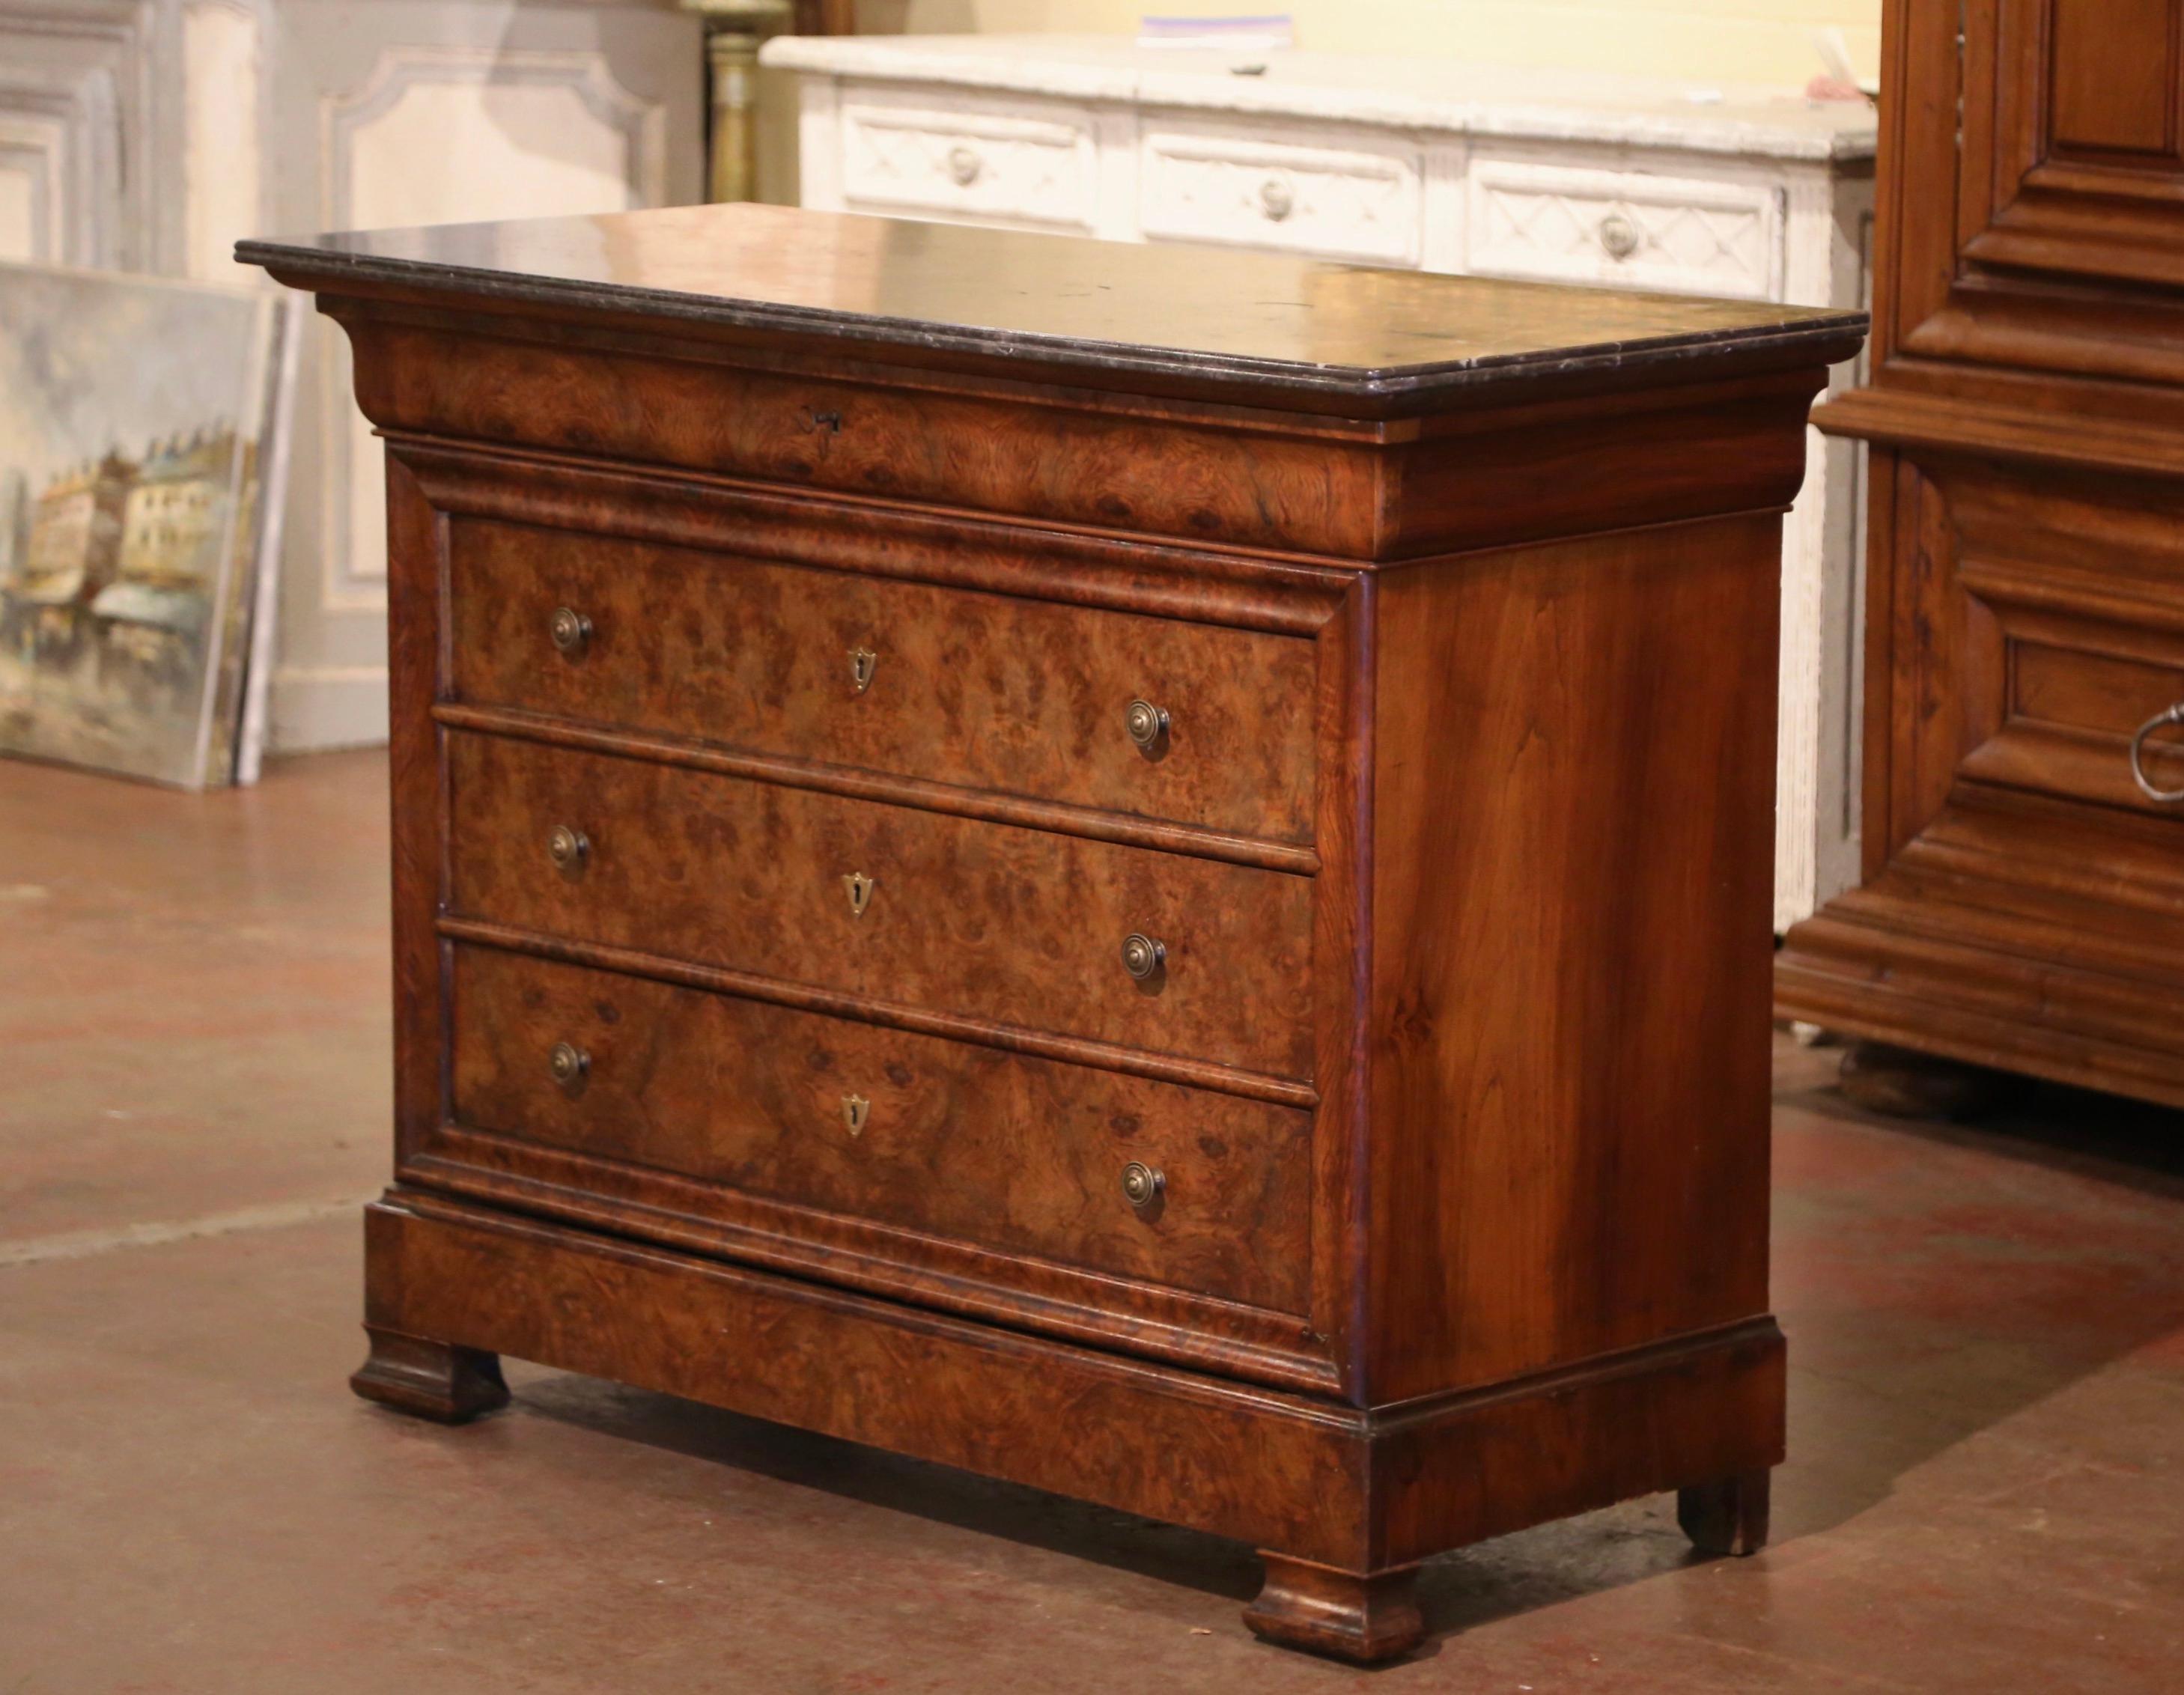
{"x":983,"y":690}
{"x":1018,"y":926}
{"x":1000,"y":1150}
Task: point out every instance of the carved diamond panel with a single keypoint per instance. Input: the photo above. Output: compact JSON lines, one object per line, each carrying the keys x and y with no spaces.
{"x":1629,"y":229}
{"x":971,"y":165}
{"x":1364,"y":202}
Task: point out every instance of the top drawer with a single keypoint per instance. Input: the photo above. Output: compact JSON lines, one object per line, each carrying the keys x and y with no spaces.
{"x":986,"y":691}
{"x":972,"y":161}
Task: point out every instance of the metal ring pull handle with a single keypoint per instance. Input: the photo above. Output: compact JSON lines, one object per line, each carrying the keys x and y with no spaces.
{"x":2171,"y":715}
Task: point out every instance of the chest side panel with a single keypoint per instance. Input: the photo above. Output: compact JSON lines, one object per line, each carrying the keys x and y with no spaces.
{"x":1570,"y":1028}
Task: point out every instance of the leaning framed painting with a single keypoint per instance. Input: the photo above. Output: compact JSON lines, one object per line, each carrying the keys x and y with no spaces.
{"x":138,"y":416}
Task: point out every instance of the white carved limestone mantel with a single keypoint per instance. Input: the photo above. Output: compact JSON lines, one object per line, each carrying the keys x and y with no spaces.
{"x":1435,"y":164}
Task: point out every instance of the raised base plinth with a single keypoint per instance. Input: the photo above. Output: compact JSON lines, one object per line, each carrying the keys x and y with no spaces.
{"x":1346,"y":1501}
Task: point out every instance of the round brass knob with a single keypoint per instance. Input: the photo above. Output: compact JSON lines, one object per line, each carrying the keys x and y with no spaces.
{"x":568,"y":1063}
{"x":1142,"y":1184}
{"x":1146,"y":723}
{"x":571,"y":630}
{"x":568,"y":849}
{"x":1619,"y":235}
{"x":1142,"y":955}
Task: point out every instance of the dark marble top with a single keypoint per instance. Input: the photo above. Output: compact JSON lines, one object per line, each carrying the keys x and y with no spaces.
{"x":1268,"y":322}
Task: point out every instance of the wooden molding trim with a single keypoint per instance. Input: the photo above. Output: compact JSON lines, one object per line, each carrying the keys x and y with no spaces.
{"x":1938,"y":424}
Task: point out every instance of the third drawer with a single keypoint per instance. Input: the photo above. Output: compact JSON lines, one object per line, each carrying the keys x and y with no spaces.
{"x":1015,"y":1155}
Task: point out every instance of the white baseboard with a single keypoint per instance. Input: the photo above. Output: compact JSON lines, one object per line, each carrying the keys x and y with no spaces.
{"x":332,"y":707}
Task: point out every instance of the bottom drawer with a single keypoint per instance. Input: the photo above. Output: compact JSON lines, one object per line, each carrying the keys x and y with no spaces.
{"x":983,"y":1146}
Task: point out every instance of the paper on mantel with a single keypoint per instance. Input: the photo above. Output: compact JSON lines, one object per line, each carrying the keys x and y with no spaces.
{"x":1261,"y":34}
{"x":1834,"y":54}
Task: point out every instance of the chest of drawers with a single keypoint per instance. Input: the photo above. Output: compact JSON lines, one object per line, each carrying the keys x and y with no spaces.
{"x":1143,"y":871}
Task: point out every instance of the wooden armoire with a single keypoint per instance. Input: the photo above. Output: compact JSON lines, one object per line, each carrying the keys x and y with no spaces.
{"x":2022,"y":904}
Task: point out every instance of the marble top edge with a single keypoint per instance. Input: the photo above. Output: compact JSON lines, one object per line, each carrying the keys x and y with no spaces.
{"x":446,"y":260}
{"x":1423,"y":95}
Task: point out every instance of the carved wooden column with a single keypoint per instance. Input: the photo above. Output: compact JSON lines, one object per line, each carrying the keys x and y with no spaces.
{"x":735,"y":29}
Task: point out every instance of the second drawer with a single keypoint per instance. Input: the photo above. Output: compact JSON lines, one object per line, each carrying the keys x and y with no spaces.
{"x":1013,"y":926}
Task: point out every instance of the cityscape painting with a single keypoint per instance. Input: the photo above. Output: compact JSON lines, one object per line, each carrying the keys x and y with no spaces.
{"x":137,"y":415}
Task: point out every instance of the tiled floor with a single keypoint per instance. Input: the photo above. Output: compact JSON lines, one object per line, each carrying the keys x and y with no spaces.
{"x":1985,"y":1490}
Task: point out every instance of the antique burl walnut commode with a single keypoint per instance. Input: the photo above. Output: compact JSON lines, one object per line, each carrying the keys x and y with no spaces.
{"x":1140,"y":869}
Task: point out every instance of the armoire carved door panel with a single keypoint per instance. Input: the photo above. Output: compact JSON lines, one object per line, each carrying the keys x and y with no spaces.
{"x":2036,"y":634}
{"x":2087,"y":162}
{"x":2066,"y":152}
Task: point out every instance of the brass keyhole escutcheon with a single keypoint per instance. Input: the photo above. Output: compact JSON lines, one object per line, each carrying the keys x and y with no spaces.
{"x":571,"y":630}
{"x":863,"y":662}
{"x":1143,"y":1185}
{"x":860,"y":888}
{"x":569,"y":1064}
{"x":1142,"y":957}
{"x":1147,"y":725}
{"x":856,"y":1110}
